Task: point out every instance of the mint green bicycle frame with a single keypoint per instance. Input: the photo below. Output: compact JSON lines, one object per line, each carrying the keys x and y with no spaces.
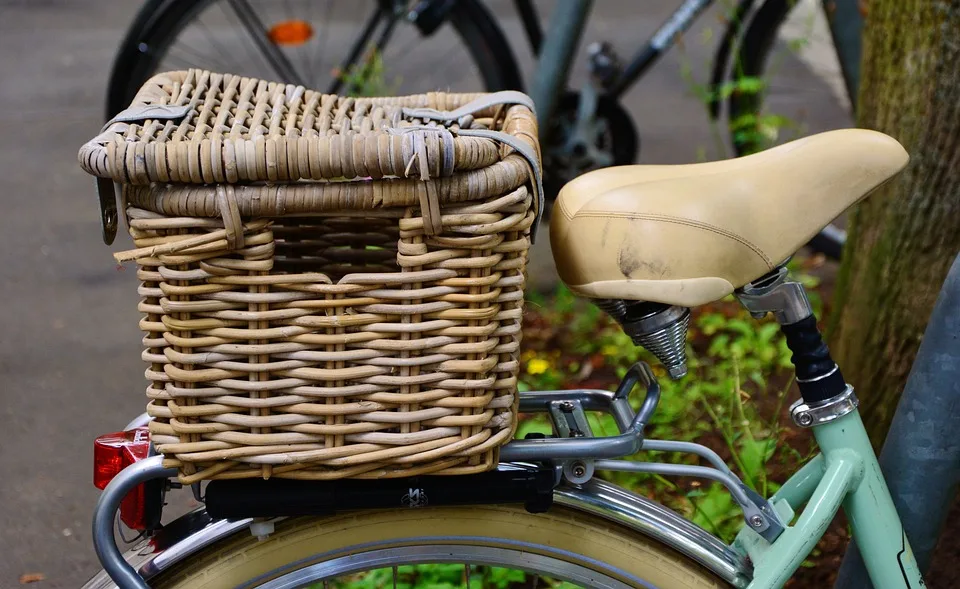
{"x":846,"y":475}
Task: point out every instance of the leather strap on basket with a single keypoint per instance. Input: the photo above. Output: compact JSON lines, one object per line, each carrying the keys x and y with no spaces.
{"x":533,"y":164}
{"x":504,"y":98}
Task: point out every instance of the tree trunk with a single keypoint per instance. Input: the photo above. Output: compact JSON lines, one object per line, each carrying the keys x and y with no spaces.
{"x":902,"y":239}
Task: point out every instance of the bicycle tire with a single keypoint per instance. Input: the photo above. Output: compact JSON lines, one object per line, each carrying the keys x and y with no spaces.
{"x":752,"y":56}
{"x":159,"y":21}
{"x":297,"y":544}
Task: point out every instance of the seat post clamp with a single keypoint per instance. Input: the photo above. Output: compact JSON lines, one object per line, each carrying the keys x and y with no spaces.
{"x":813,"y":414}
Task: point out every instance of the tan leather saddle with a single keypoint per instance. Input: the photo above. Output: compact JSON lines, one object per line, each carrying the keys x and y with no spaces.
{"x":691,"y":234}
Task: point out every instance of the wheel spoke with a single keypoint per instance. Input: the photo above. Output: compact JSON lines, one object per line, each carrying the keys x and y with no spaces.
{"x":382,"y":41}
{"x":358,"y":46}
{"x":252,"y":55}
{"x":202,"y":58}
{"x":448,"y":67}
{"x":302,"y":53}
{"x":313,"y":68}
{"x":214,"y":43}
{"x":258,"y":33}
{"x":190,"y":57}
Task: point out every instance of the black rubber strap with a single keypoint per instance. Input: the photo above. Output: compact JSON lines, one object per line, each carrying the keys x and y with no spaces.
{"x":818,"y":376}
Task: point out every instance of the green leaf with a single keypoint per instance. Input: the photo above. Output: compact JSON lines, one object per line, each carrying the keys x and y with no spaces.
{"x":750,"y":85}
{"x":797,"y":45}
{"x":754,"y":455}
{"x":713,"y":508}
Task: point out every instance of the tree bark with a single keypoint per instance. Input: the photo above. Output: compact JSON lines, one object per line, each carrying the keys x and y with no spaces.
{"x":902,"y":239}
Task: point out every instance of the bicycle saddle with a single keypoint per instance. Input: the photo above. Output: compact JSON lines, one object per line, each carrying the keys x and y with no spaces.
{"x":691,"y":234}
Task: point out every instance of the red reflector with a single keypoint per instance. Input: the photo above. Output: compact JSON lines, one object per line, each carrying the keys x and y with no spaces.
{"x":111,"y":454}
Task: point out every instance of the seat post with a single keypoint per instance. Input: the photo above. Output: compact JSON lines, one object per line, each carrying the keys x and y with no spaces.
{"x":825,"y":394}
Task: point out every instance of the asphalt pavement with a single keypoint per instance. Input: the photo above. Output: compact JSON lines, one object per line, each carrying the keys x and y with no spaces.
{"x":70,"y":350}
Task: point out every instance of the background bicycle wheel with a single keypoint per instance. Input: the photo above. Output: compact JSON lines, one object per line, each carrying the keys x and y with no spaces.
{"x":363,"y":47}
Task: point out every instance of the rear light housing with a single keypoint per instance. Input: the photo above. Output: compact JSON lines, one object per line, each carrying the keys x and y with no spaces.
{"x":140,"y":509}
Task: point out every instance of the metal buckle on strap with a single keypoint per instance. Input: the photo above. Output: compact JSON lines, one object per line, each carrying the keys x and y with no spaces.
{"x":109,"y":216}
{"x":106,"y":192}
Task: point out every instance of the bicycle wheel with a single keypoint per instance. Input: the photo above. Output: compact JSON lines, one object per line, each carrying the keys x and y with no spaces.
{"x":792,"y":88}
{"x":489,"y":546}
{"x":350,"y":47}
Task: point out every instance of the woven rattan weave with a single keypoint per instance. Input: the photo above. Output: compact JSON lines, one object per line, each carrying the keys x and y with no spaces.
{"x":330,"y":286}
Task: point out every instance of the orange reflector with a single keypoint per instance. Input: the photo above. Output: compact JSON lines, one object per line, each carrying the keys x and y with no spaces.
{"x":291,"y":32}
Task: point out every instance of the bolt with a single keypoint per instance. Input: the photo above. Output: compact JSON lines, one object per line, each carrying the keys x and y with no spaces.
{"x":756,"y":521}
{"x":579,"y":469}
{"x":566,"y":406}
{"x":804,"y":419}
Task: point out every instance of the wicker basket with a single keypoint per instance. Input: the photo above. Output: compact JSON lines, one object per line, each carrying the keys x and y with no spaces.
{"x":331,"y":287}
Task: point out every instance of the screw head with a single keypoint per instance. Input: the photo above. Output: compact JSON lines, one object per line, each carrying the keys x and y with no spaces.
{"x":756,"y":521}
{"x":566,"y":406}
{"x":579,"y":470}
{"x":804,"y":418}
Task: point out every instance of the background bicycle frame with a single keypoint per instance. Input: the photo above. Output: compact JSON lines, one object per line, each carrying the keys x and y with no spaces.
{"x":555,"y":51}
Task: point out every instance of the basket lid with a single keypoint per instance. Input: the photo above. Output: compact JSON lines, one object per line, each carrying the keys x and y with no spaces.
{"x":198,"y":127}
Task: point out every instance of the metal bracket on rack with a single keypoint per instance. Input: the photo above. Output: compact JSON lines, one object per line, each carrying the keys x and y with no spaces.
{"x":570,"y":421}
{"x":630,"y":424}
{"x":579,"y":453}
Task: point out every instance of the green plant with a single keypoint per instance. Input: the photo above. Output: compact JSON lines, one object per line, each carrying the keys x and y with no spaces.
{"x":749,"y":129}
{"x":369,"y":78}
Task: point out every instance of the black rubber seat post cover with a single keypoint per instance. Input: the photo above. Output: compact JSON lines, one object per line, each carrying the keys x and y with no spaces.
{"x":818,"y":376}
